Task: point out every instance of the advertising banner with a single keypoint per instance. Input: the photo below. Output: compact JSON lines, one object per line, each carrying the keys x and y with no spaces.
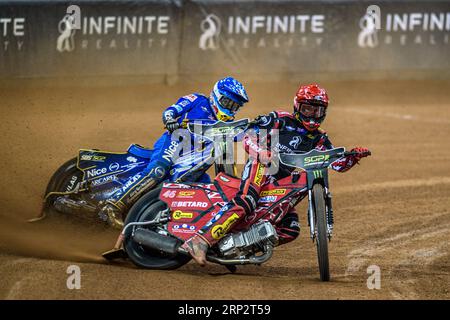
{"x":263,"y":37}
{"x":198,"y":38}
{"x":53,"y":38}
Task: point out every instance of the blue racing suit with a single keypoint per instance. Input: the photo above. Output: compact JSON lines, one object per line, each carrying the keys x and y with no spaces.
{"x":192,"y":107}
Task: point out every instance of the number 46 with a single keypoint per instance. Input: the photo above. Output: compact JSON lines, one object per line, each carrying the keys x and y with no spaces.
{"x":169,"y":194}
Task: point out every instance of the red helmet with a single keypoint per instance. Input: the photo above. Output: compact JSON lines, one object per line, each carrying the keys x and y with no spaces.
{"x":310,"y":106}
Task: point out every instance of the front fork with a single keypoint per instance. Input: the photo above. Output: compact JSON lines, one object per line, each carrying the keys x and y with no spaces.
{"x":329,"y":208}
{"x":312,"y":227}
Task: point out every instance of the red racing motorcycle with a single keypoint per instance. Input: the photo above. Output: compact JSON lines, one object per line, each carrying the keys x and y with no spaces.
{"x":159,"y":223}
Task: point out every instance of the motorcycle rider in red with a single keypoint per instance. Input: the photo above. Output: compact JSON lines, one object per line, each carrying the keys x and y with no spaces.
{"x":298,"y":132}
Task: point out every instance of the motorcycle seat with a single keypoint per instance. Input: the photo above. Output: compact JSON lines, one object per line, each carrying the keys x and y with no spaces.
{"x":140,"y":151}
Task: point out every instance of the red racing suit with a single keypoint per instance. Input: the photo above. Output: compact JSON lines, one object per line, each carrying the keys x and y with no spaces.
{"x":292,"y":137}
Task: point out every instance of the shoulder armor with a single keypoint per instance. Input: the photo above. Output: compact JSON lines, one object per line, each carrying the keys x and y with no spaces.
{"x":191,"y":97}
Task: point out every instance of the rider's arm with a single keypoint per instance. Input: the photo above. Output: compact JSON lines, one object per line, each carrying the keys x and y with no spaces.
{"x":173,"y":115}
{"x":179,"y":109}
{"x":340,"y":165}
{"x":256,"y":140}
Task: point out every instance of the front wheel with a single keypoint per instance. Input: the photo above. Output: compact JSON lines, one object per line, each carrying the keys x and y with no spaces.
{"x":146,"y":210}
{"x":321,"y":231}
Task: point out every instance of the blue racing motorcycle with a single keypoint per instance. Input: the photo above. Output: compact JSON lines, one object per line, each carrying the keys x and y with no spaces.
{"x":83,"y":184}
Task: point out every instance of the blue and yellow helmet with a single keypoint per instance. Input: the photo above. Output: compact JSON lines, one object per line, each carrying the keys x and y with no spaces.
{"x":227,"y":97}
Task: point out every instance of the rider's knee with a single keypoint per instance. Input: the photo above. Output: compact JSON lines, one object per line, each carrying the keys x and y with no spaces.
{"x":288,"y":229}
{"x":247,"y":201}
{"x":157,"y":171}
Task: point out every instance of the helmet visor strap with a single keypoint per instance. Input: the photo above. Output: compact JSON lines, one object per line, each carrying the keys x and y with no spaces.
{"x":229,"y":104}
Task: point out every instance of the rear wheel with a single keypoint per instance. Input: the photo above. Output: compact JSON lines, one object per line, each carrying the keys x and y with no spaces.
{"x":146,"y":209}
{"x":65,"y":180}
{"x":321,"y":229}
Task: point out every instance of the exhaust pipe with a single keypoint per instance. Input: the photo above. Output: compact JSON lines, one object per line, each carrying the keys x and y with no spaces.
{"x":268,"y":251}
{"x":156,"y":241}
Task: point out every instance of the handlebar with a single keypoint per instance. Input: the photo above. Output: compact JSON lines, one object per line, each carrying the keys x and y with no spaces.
{"x":184,"y":124}
{"x":353,"y":153}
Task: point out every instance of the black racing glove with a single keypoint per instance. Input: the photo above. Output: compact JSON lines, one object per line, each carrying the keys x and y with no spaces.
{"x":172,"y":125}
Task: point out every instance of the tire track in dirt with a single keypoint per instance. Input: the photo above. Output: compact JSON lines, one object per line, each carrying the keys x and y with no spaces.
{"x":407,"y":183}
{"x":397,"y":116}
{"x":408,"y":248}
{"x":405,"y":285}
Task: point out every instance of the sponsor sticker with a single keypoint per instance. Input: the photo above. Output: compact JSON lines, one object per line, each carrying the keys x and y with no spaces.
{"x":184,"y":228}
{"x":114,"y":166}
{"x":178,"y":214}
{"x":96,"y":172}
{"x":72,"y":182}
{"x":316,"y":159}
{"x":220,"y":230}
{"x":188,"y":194}
{"x":131,"y":181}
{"x":104,"y":180}
{"x":268,"y":199}
{"x":131,"y":159}
{"x":89,"y":157}
{"x":259,"y":175}
{"x":159,"y":172}
{"x":274,"y":192}
{"x":189,"y":204}
{"x":179,"y":107}
{"x":216,"y":216}
{"x":295,"y":142}
{"x":190,"y":97}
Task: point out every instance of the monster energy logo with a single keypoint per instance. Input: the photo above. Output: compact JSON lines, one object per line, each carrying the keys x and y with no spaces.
{"x":318,"y":174}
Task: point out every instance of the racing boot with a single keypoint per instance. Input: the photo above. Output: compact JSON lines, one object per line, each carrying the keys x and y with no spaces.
{"x":197,"y":248}
{"x":132,"y":190}
{"x":113,"y":215}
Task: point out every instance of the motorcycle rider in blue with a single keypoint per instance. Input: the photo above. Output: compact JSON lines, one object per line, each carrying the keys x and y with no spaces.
{"x":226,"y":98}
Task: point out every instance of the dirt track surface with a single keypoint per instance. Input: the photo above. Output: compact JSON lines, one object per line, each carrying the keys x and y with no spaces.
{"x":392,"y":211}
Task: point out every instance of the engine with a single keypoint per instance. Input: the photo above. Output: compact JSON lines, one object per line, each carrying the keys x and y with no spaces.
{"x":249,"y":241}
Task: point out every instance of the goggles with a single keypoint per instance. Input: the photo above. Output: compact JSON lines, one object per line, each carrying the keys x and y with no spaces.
{"x":311,"y":111}
{"x":229,"y":104}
